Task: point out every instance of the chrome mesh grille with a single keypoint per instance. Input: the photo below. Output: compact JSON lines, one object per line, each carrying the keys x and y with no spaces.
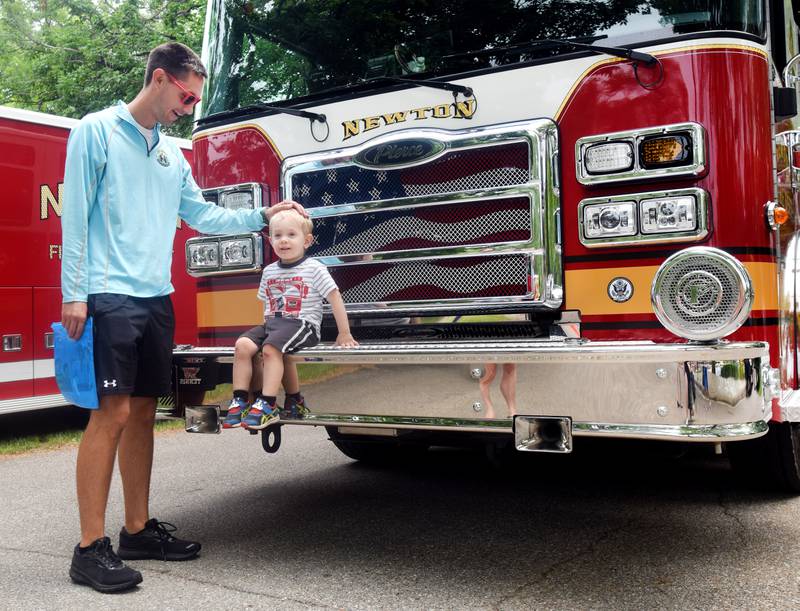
{"x":443,"y":279}
{"x":494,"y":166}
{"x":700,"y":293}
{"x":471,"y":228}
{"x":437,"y":226}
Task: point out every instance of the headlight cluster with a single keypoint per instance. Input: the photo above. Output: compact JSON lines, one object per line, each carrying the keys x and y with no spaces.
{"x":216,"y":255}
{"x":235,"y":197}
{"x":670,"y":150}
{"x":660,"y":216}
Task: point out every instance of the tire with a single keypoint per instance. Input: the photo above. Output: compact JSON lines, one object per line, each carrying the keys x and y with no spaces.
{"x":376,"y":450}
{"x":772,"y":460}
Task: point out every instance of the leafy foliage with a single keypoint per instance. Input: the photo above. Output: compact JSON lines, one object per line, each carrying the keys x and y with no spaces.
{"x":72,"y":57}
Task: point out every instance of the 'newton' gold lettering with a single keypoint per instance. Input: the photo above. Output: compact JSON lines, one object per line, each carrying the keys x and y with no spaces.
{"x":457,"y":110}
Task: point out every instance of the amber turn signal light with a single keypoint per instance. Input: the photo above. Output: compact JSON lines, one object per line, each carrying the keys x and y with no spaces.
{"x":781,"y":215}
{"x":777,"y":215}
{"x":666,"y":151}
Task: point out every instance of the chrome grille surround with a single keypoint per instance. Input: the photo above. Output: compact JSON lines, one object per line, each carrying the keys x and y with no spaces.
{"x":486,"y":239}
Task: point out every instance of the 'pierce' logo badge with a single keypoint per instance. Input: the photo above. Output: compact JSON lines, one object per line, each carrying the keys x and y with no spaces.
{"x":401,"y":152}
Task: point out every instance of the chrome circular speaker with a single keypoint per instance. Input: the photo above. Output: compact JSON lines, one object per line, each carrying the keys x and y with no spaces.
{"x":702,"y":293}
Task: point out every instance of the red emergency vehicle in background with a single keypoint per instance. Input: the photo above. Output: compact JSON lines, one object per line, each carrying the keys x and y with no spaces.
{"x":33,"y":148}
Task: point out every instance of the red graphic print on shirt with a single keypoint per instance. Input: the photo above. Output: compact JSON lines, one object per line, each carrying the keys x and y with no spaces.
{"x":286,"y":295}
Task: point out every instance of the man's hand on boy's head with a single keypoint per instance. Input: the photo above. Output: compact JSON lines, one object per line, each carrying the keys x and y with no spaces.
{"x":286,"y":204}
{"x":345,"y":340}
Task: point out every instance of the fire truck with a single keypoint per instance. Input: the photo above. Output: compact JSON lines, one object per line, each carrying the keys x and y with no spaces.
{"x":33,"y":147}
{"x":587,"y":209}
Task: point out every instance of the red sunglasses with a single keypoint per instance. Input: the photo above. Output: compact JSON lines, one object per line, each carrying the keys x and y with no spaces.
{"x":189,"y":98}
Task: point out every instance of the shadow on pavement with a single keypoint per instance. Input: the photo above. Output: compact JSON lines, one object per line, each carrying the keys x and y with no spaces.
{"x":42,"y":421}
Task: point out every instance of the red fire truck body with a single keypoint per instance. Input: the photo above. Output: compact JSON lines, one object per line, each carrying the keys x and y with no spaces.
{"x":33,"y":148}
{"x":617,"y":188}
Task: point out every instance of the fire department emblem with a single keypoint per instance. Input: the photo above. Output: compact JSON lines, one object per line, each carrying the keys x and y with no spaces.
{"x":620,"y":290}
{"x":162,"y":158}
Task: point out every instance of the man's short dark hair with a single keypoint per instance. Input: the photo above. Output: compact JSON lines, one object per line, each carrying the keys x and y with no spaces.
{"x":175,"y":58}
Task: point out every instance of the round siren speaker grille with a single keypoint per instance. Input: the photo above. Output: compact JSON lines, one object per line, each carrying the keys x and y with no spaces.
{"x":702,"y":293}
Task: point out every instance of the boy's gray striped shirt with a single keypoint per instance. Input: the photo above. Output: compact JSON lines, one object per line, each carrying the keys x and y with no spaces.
{"x":296,"y":291}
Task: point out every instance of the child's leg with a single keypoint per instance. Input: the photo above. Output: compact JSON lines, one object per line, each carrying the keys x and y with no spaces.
{"x":291,"y":381}
{"x":257,"y":381}
{"x":294,"y":404}
{"x":273,"y":370}
{"x":244,"y":351}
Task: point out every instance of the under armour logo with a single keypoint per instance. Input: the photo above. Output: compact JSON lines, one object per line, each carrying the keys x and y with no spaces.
{"x":109,"y":383}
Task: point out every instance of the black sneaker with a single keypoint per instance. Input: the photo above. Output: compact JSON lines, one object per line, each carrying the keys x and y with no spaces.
{"x":156,"y":541}
{"x":99,"y":567}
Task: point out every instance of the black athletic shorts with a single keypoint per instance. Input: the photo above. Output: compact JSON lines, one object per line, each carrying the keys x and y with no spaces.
{"x":288,"y":335}
{"x":133,"y":339}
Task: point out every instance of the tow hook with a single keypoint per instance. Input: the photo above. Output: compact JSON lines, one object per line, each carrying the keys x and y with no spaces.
{"x":270,"y":438}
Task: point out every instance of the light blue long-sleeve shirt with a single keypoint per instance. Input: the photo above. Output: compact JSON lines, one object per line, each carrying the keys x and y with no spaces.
{"x":121,"y":205}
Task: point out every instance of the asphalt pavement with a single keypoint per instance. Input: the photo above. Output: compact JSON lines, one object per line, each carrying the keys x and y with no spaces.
{"x":609,"y":527}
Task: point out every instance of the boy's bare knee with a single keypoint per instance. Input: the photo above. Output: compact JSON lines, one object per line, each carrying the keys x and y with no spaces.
{"x":271,"y":352}
{"x":245,"y":347}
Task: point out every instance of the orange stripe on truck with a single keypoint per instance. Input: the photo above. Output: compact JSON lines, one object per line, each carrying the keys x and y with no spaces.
{"x":585,"y":289}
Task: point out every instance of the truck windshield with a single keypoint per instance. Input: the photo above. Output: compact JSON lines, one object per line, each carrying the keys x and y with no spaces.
{"x":268,"y":51}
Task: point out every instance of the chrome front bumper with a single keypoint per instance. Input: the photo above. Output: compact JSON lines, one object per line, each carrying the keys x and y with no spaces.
{"x":613,"y":389}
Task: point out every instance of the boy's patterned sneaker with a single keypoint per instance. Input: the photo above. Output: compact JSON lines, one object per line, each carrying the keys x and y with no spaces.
{"x":260,"y":415}
{"x":294,"y":408}
{"x":236,"y":411}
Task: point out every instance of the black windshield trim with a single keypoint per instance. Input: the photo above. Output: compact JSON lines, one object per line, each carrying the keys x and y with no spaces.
{"x":363,"y":90}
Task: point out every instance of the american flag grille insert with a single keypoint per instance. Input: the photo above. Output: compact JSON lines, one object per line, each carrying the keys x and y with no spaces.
{"x":489,"y":221}
{"x":438,"y":279}
{"x":503,"y":165}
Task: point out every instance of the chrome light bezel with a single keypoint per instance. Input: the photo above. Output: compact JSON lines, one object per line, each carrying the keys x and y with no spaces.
{"x":634,"y":138}
{"x":633,"y":221}
{"x":256,"y":244}
{"x":701,"y":198}
{"x":192,"y":243}
{"x":587,"y":150}
{"x":744,"y":304}
{"x":644,"y":204}
{"x":250,"y":187}
{"x":220,"y":270}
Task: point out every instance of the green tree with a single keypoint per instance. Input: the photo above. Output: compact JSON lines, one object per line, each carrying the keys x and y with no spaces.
{"x":72,"y":57}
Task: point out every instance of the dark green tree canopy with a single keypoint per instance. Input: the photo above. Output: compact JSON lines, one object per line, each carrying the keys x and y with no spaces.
{"x":72,"y":57}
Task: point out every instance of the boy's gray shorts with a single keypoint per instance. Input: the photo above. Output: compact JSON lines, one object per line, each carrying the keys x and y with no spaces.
{"x":288,"y":335}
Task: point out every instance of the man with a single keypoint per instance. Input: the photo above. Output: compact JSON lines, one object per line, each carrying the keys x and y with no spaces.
{"x":124,"y":187}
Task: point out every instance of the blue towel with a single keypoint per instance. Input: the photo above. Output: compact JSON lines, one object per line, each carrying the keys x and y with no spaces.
{"x":75,"y":366}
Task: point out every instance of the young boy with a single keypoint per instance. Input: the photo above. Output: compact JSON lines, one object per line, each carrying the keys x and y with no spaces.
{"x":292,"y":289}
{"x":247,"y":370}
